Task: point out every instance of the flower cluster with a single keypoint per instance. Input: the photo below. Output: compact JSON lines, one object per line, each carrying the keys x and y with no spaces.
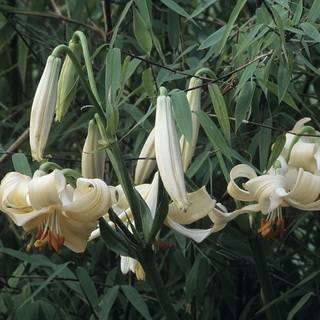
{"x":293,"y":180}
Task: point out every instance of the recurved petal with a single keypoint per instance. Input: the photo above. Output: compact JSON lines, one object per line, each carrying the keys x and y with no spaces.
{"x":197,"y":235}
{"x":46,"y":190}
{"x":200,"y":205}
{"x":268,"y":191}
{"x":306,"y":156}
{"x":145,"y":165}
{"x":91,"y":200}
{"x":240,"y":171}
{"x":306,"y":188}
{"x":119,"y":198}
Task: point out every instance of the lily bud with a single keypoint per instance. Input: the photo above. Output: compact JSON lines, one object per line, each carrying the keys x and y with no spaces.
{"x":168,"y":154}
{"x":93,"y":159}
{"x":145,"y":166}
{"x":43,"y":107}
{"x":194,"y":99}
{"x":67,"y":82}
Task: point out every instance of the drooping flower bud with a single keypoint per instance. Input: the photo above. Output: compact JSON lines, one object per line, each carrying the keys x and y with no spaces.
{"x":194,"y":99}
{"x":93,"y":158}
{"x":168,"y":154}
{"x":43,"y":107}
{"x":67,"y":83}
{"x":145,"y":165}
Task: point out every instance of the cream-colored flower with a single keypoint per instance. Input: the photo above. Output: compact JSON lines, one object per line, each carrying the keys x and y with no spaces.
{"x":43,"y":106}
{"x":168,"y":154}
{"x":93,"y":158}
{"x":129,"y":264}
{"x":52,"y":210}
{"x":194,"y":99}
{"x":145,"y":165}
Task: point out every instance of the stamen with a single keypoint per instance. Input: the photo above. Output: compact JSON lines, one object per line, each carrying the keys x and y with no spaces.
{"x":273,"y":226}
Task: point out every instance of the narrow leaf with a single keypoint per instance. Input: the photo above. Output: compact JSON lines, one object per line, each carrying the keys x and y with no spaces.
{"x":276,"y":150}
{"x":21,"y":164}
{"x":107,"y":302}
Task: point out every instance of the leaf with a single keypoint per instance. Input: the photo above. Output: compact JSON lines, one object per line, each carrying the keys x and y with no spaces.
{"x":272,"y":87}
{"x":113,"y":76}
{"x":144,"y":11}
{"x":182,"y":113}
{"x":233,"y":17}
{"x":21,"y":164}
{"x":213,"y":133}
{"x":88,"y":288}
{"x":58,"y":270}
{"x":107,"y":302}
{"x":116,"y":28}
{"x":114,"y":240}
{"x":176,"y":8}
{"x":244,"y":103}
{"x":299,"y":305}
{"x":283,"y":79}
{"x":298,"y":13}
{"x":246,"y":75}
{"x":136,"y":300}
{"x":148,"y":82}
{"x":141,"y":32}
{"x":311,"y":31}
{"x":276,"y":150}
{"x":22,"y":59}
{"x":213,"y":39}
{"x":314,"y":11}
{"x":203,"y":5}
{"x":220,"y":109}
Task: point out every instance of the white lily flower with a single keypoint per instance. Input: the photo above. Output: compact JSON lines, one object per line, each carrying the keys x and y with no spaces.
{"x":194,"y":99}
{"x":93,"y":159}
{"x":129,"y":264}
{"x":54,"y":211}
{"x":168,"y":154}
{"x":43,"y":106}
{"x":145,"y":166}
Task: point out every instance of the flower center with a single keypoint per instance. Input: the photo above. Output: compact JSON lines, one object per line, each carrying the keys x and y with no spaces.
{"x":273,"y":226}
{"x":50,"y":231}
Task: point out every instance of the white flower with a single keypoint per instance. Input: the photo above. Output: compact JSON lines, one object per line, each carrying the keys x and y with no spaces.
{"x":168,"y":154}
{"x":144,"y":166}
{"x":43,"y":107}
{"x":52,"y":210}
{"x":93,"y":159}
{"x":194,"y":99}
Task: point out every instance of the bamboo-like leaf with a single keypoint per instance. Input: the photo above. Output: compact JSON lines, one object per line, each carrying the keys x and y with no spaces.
{"x":220,"y":109}
{"x":21,"y":164}
{"x":276,"y":150}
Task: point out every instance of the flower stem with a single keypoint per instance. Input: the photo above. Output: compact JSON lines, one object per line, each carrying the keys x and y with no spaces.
{"x":153,"y":277}
{"x":268,"y":295}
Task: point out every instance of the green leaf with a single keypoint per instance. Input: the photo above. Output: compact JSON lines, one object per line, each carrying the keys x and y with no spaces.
{"x":298,"y":13}
{"x":107,"y":302}
{"x":213,"y":133}
{"x":233,"y":17}
{"x":299,"y":305}
{"x":272,"y":87}
{"x":136,"y":300}
{"x":113,"y":76}
{"x":213,"y":39}
{"x":176,"y":8}
{"x":314,"y":11}
{"x":144,"y":11}
{"x":182,"y":113}
{"x":141,"y":32}
{"x":220,"y":109}
{"x":88,"y":288}
{"x":283,"y":79}
{"x":276,"y":150}
{"x":311,"y":31}
{"x":203,"y":5}
{"x":121,"y":18}
{"x":244,"y":103}
{"x":148,"y":82}
{"x":21,"y":164}
{"x":22,"y":59}
{"x":114,"y":240}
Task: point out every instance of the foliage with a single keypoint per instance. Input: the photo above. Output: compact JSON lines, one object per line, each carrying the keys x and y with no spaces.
{"x":264,"y":59}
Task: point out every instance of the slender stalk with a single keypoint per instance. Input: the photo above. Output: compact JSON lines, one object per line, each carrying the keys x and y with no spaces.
{"x":268,"y":295}
{"x":119,"y":166}
{"x":153,"y":277}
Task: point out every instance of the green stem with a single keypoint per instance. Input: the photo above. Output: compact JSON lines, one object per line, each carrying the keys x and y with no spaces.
{"x":86,"y":55}
{"x":268,"y":295}
{"x":121,"y":171}
{"x":153,"y":277}
{"x":47,"y":166}
{"x":63,"y":49}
